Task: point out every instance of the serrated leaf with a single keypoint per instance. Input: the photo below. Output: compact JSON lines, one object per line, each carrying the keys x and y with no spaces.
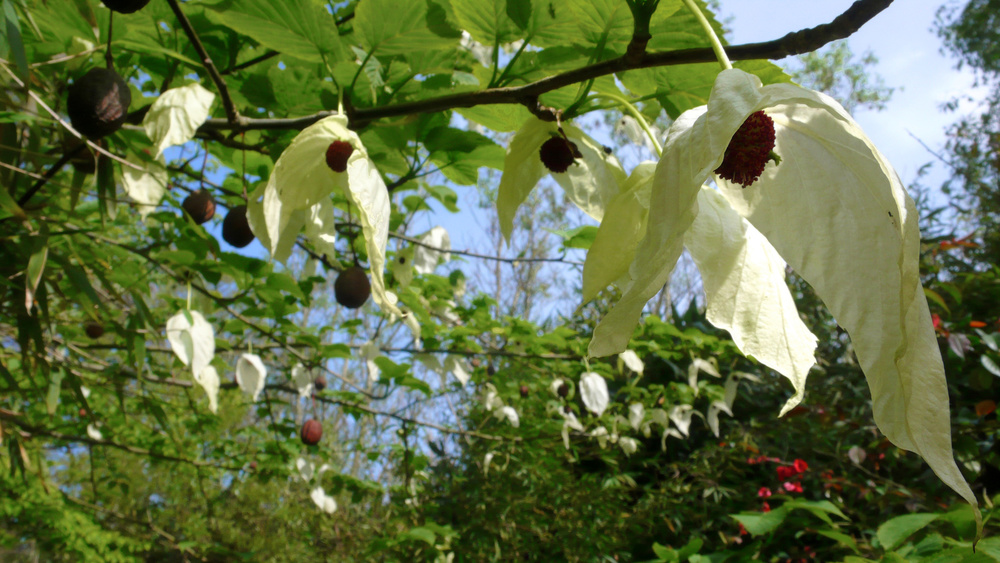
{"x":301,"y":28}
{"x":176,"y":115}
{"x":390,"y":27}
{"x":493,"y":22}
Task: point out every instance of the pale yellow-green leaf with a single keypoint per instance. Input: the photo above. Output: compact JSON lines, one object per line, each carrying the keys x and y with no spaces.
{"x":175,"y":116}
{"x":744,"y":281}
{"x":370,"y":200}
{"x":622,"y":228}
{"x":147,"y":184}
{"x":522,"y":169}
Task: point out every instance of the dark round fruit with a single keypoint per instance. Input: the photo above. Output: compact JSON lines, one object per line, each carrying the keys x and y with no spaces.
{"x":490,"y":370}
{"x":200,"y":206}
{"x":524,"y":391}
{"x":568,"y":409}
{"x":337,"y":154}
{"x":253,"y":465}
{"x":476,"y":362}
{"x":312,"y":431}
{"x":125,"y":6}
{"x":93,"y":329}
{"x":563,"y":390}
{"x":83,"y":413}
{"x":235,"y":227}
{"x":352,"y":287}
{"x":319,"y":383}
{"x":558,"y":154}
{"x":98,"y":103}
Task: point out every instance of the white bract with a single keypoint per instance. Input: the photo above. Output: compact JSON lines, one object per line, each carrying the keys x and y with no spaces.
{"x":303,"y":380}
{"x":632,"y":361}
{"x":250,"y":375}
{"x":147,"y":184}
{"x":325,"y":502}
{"x":594,"y":392}
{"x":836,"y":212}
{"x":425,"y":259}
{"x":636,"y":412}
{"x":297,"y":196}
{"x":628,"y":445}
{"x":590,"y":182}
{"x":192,"y":339}
{"x":510,"y":414}
{"x":175,"y":116}
{"x":208,"y":378}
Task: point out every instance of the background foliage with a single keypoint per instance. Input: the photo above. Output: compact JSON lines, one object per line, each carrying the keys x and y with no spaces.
{"x":111,"y":451}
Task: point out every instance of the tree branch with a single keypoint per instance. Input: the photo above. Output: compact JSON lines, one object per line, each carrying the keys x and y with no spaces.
{"x":794,"y":43}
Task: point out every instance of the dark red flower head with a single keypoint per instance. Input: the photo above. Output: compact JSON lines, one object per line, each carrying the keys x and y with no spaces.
{"x":337,"y":155}
{"x":749,"y":150}
{"x":558,"y":154}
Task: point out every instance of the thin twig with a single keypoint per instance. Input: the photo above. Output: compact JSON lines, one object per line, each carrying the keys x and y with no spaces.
{"x":232,"y":116}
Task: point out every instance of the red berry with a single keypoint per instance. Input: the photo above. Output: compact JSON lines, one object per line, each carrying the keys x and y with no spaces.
{"x":253,"y":465}
{"x":558,"y":154}
{"x":748,"y":150}
{"x":524,"y":391}
{"x":83,"y":413}
{"x":337,"y":155}
{"x":312,"y":431}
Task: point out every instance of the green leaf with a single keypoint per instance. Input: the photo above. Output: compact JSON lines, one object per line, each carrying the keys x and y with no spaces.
{"x":300,"y":28}
{"x":896,"y":530}
{"x":839,"y":537}
{"x":55,"y":385}
{"x":760,"y":523}
{"x":390,"y":27}
{"x":14,"y":41}
{"x":990,"y":364}
{"x":580,"y":237}
{"x":493,"y":22}
{"x":39,"y":251}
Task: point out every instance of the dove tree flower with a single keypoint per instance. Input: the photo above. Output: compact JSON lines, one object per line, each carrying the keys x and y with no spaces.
{"x":323,"y":158}
{"x":578,"y":163}
{"x":834,"y":210}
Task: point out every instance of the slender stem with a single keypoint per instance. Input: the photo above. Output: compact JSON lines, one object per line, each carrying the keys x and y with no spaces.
{"x":638,"y":117}
{"x":720,"y":53}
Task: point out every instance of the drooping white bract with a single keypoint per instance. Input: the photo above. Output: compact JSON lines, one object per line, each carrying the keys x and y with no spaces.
{"x":303,"y":379}
{"x":208,"y":378}
{"x":836,"y":212}
{"x":297,"y":196}
{"x":632,"y":361}
{"x":628,"y":445}
{"x":425,"y":259}
{"x":594,"y":392}
{"x":94,"y":433}
{"x":590,"y":182}
{"x":145,"y":184}
{"x":174,"y":117}
{"x":510,"y":414}
{"x":325,"y":502}
{"x":636,"y":412}
{"x":192,"y":339}
{"x":251,"y":374}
